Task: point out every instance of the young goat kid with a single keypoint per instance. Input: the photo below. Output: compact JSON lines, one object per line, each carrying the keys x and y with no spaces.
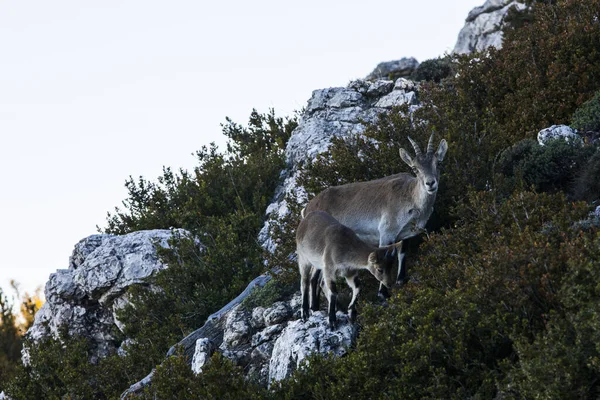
{"x":332,"y":248}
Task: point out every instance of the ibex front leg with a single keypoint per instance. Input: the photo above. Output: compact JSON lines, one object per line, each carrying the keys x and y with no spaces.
{"x":354,"y":283}
{"x":387,"y":239}
{"x":315,"y":289}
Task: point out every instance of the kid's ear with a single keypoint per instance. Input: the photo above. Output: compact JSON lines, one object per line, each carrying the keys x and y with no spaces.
{"x":405,"y":157}
{"x":373,"y":258}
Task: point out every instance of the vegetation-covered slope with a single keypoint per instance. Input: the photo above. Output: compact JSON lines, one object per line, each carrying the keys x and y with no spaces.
{"x":504,"y":300}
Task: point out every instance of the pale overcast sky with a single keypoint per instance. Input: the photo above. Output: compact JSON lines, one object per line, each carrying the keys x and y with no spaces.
{"x":94,"y":91}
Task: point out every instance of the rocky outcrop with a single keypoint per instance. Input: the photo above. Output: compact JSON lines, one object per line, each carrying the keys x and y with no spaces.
{"x":269,"y":342}
{"x":84,"y":298}
{"x":333,"y":112}
{"x":558,"y":132}
{"x":394,"y":69}
{"x":483,"y":26}
{"x":300,"y":339}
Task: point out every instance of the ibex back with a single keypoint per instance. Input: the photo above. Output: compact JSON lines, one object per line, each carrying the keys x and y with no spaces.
{"x":326,"y":245}
{"x":389,"y":209}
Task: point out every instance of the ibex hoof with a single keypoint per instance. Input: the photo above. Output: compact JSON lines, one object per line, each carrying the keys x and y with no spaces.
{"x":304,"y":315}
{"x":383,"y":294}
{"x":402,"y":282}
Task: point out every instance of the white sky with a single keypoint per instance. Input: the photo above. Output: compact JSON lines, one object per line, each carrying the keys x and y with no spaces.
{"x":94,"y":91}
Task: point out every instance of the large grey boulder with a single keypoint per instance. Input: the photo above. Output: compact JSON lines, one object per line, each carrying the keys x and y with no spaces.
{"x":85,"y":297}
{"x":272,"y":343}
{"x":483,"y":26}
{"x":397,"y":69}
{"x":333,"y":112}
{"x":202,"y":353}
{"x":300,"y":339}
{"x":559,"y":132}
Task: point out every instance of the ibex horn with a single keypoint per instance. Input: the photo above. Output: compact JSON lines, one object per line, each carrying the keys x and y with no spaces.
{"x":415,"y":145}
{"x":430,"y":148}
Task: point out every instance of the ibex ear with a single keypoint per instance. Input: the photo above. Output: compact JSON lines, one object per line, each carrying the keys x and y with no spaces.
{"x":405,"y":157}
{"x":441,"y":151}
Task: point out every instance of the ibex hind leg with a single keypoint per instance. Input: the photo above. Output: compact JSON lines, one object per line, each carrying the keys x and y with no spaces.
{"x":315,"y":289}
{"x":305,"y":269}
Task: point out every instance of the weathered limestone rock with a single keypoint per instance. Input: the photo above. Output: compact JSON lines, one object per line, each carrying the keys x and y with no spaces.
{"x":204,"y":350}
{"x":483,"y":26}
{"x":558,"y":132}
{"x":278,"y":313}
{"x":237,"y":328}
{"x":300,"y":339}
{"x":333,"y":112}
{"x":397,"y":68}
{"x":84,"y":298}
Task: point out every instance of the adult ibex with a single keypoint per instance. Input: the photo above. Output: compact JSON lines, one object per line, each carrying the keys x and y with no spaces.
{"x":323,"y":244}
{"x":389,"y":209}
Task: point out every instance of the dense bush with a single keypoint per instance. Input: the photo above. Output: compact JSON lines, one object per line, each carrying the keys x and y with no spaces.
{"x":242,"y":179}
{"x":433,"y":70}
{"x":486,"y":291}
{"x":587,"y":116}
{"x":503,"y":303}
{"x":549,"y":168}
{"x":12,"y":327}
{"x":587,"y":183}
{"x":544,"y":71}
{"x":61,"y":368}
{"x":10,"y":341}
{"x":222,"y":203}
{"x":220,"y":379}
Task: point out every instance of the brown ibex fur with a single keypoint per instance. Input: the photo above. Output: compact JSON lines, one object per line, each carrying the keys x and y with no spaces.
{"x":389,"y":209}
{"x":325,"y":245}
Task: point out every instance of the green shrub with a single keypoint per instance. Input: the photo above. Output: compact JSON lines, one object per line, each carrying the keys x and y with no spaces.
{"x":61,"y":368}
{"x":549,"y":168}
{"x":274,"y":290}
{"x":10,"y":341}
{"x":587,"y":116}
{"x":223,"y":204}
{"x":564,"y":360}
{"x":242,"y":179}
{"x":433,"y":70}
{"x":587,"y":183}
{"x":220,"y":379}
{"x":484,"y":288}
{"x":545,"y":70}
